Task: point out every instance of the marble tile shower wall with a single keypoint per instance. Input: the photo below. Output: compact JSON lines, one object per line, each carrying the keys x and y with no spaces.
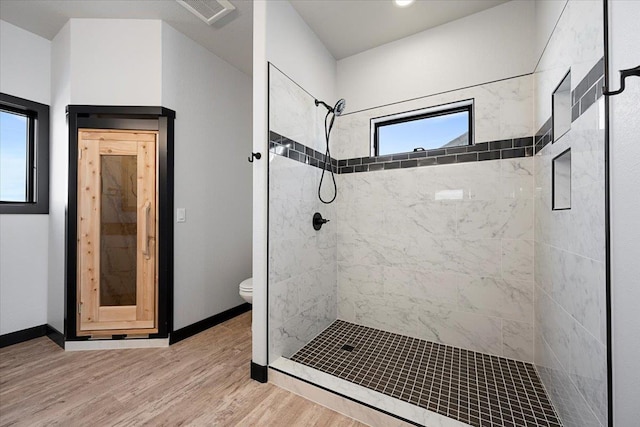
{"x":442,"y":253}
{"x":502,"y":110}
{"x":302,"y":261}
{"x":569,"y":272}
{"x":576,"y":44}
{"x":293,"y":113}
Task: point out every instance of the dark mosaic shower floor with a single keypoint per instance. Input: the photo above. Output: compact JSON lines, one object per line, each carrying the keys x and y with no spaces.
{"x":475,"y":388}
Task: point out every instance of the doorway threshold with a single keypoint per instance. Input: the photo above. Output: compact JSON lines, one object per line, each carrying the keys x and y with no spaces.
{"x":108,"y":344}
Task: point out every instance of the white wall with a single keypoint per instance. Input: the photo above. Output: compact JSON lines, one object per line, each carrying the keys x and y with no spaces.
{"x":25,"y":69}
{"x":296,"y":50}
{"x":116,"y":62}
{"x":143,"y":62}
{"x":260,"y":190}
{"x":281,"y":37}
{"x":491,"y":45}
{"x":547,"y":13}
{"x":212,"y":101}
{"x":23,"y":272}
{"x":25,"y":73}
{"x":625,"y":211}
{"x":58,"y":173}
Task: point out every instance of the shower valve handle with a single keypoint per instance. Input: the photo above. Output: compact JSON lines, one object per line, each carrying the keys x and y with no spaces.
{"x":318,"y":221}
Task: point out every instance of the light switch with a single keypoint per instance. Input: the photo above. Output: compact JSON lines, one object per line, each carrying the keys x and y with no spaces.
{"x":181,"y":215}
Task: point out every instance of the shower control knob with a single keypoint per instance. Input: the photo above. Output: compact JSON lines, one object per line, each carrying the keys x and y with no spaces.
{"x":318,"y":221}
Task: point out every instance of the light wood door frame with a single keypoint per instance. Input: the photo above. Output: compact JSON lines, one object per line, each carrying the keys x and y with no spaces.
{"x":92,"y":318}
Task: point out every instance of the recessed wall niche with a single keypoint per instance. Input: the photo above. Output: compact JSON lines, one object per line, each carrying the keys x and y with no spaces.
{"x":561,"y":170}
{"x":561,"y":107}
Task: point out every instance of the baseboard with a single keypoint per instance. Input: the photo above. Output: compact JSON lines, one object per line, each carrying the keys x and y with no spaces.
{"x":58,"y":337}
{"x":259,"y":372}
{"x":109,"y":344}
{"x":55,"y":335}
{"x":23,"y":335}
{"x":191,"y":330}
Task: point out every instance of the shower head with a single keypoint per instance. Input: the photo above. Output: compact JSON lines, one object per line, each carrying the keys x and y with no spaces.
{"x":339,"y":107}
{"x":336,"y":109}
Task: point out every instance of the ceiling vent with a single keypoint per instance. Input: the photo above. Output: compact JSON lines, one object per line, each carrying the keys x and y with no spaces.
{"x":208,"y":10}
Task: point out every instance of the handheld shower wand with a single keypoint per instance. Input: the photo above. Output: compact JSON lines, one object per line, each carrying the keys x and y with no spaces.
{"x":334,"y":111}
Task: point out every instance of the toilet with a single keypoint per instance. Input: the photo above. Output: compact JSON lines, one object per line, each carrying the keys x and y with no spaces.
{"x":246,"y":290}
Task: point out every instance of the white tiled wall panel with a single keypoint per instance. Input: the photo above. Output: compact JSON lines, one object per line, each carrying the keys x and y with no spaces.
{"x":302,"y":261}
{"x":569,"y":245}
{"x":442,"y":253}
{"x":502,"y":110}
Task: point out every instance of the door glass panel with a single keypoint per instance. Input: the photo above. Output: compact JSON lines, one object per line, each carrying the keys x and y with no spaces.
{"x":118,"y":230}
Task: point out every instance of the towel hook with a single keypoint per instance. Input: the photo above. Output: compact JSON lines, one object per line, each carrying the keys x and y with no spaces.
{"x":635,"y":71}
{"x":256,"y":155}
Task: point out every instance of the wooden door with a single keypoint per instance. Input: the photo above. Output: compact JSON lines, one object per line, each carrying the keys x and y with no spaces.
{"x":117,"y":229}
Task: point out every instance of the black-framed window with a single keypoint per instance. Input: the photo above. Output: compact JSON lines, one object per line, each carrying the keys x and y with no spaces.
{"x":442,"y":126}
{"x":24,"y":156}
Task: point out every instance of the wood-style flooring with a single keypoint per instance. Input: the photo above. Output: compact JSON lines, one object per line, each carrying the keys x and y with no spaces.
{"x":201,"y":381}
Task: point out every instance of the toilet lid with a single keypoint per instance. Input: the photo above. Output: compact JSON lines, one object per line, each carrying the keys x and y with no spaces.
{"x":247,"y":285}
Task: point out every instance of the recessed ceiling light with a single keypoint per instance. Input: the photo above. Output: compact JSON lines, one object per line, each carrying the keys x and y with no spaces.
{"x":403,"y":3}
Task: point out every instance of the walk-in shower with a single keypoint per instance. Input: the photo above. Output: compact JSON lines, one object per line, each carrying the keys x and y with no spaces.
{"x":446,"y":289}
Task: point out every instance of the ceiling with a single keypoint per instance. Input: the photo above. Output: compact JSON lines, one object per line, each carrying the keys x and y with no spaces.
{"x":346,"y":27}
{"x":230,"y":38}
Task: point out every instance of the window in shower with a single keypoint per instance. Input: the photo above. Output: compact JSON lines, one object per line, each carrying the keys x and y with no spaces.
{"x":561,"y":107}
{"x":448,"y":125}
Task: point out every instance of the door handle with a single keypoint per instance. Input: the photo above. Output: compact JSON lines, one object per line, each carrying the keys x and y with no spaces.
{"x":145,"y":241}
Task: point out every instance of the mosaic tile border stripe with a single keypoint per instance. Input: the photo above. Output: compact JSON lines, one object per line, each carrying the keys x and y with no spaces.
{"x":283,"y":146}
{"x":492,"y":150}
{"x":475,"y":388}
{"x":586,"y":93}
